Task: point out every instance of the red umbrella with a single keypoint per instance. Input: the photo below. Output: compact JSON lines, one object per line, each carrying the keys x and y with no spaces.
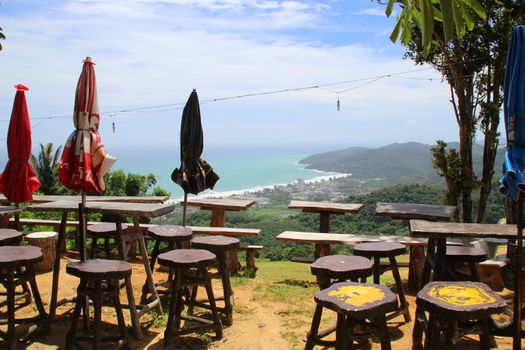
{"x":18,"y":181}
{"x":84,"y":160}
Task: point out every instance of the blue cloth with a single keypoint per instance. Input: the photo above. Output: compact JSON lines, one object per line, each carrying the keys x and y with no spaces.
{"x":513,"y":180}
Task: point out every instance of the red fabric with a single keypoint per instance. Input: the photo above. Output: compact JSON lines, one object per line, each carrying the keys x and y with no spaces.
{"x":84,"y":160}
{"x":18,"y":181}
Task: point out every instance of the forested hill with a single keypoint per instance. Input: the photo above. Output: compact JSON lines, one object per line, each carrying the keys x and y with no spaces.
{"x":394,"y":161}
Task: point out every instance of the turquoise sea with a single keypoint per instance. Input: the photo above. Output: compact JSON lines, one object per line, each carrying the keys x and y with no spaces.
{"x":239,"y":172}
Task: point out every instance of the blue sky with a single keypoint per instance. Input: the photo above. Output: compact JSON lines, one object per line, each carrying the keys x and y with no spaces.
{"x":150,"y":53}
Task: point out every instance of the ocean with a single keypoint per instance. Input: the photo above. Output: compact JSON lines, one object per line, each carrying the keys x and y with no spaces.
{"x":239,"y":172}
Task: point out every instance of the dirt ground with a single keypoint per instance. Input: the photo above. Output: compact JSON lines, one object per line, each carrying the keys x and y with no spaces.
{"x":258,"y":323}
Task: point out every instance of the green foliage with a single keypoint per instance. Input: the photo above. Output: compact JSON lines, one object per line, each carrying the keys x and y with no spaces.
{"x":448,"y":164}
{"x":2,"y":37}
{"x":46,"y":166}
{"x":456,"y":16}
{"x":120,"y":184}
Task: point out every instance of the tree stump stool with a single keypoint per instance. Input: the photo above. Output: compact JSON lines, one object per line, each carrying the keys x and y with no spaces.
{"x":450,"y":303}
{"x":390,"y":250}
{"x":339,"y":268}
{"x":355,"y":303}
{"x":106,"y":232}
{"x":99,"y":281}
{"x":220,"y":246}
{"x":47,"y":242}
{"x":16,"y":268}
{"x":469,"y":255}
{"x":177,"y":237}
{"x":190,"y":268}
{"x":10,"y":237}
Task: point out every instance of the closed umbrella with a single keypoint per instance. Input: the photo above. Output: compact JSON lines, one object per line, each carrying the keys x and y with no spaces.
{"x":194,"y":175}
{"x":84,"y":160}
{"x":18,"y":181}
{"x":513,"y":182}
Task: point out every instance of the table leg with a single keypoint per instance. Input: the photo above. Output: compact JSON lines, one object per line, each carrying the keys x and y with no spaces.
{"x":324,"y":222}
{"x":416,"y":267}
{"x":218,"y":217}
{"x":4,"y":220}
{"x":439,"y":270}
{"x":429,"y":261}
{"x":321,"y":249}
{"x":145,"y":261}
{"x":56,"y":267}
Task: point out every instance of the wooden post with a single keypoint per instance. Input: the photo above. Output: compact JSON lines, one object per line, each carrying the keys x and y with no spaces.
{"x":324,"y":222}
{"x":184,"y":207}
{"x":218,"y":217}
{"x":516,"y":344}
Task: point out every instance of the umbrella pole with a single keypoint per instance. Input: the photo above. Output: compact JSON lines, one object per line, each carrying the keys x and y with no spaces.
{"x":184,"y":208}
{"x":82,"y":227}
{"x":516,"y":345}
{"x":17,"y":217}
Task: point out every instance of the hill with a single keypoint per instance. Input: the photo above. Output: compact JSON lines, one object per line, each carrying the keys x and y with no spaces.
{"x":393,"y":162}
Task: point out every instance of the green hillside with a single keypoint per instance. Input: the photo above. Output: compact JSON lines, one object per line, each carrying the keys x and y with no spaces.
{"x":393,"y":162}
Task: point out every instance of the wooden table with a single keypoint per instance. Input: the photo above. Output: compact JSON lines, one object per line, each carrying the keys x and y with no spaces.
{"x":128,"y":199}
{"x":5,"y":214}
{"x":439,"y":231}
{"x":407,"y":211}
{"x":323,"y":241}
{"x":325,"y":209}
{"x":120,"y":210}
{"x":219,"y":207}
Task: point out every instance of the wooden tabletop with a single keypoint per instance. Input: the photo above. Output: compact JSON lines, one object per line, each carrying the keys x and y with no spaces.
{"x":422,"y":228}
{"x":227,"y":204}
{"x":129,"y":199}
{"x":344,"y":238}
{"x":6,"y":210}
{"x":407,"y":211}
{"x":134,"y":209}
{"x":326,"y":207}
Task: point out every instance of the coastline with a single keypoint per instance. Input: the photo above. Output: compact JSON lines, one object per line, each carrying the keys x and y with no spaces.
{"x":255,"y":191}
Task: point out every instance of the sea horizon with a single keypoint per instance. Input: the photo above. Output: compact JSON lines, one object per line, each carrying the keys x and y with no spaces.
{"x":239,"y":172}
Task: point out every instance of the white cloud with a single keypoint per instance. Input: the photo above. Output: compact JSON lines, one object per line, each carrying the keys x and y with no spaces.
{"x":153,"y":55}
{"x":372,"y":12}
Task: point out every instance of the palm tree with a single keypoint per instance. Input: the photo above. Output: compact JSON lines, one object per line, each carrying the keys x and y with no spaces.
{"x":46,"y":167}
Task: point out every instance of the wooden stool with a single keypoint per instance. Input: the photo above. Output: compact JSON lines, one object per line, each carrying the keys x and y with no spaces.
{"x":220,"y":246}
{"x":190,"y":268}
{"x":469,"y":255}
{"x":450,"y":303}
{"x":339,"y":268}
{"x":10,"y":237}
{"x":92,"y":273}
{"x":16,"y":268}
{"x":354,"y":304}
{"x":176,"y":236}
{"x":378,"y":250}
{"x":105,"y":231}
{"x":47,"y":242}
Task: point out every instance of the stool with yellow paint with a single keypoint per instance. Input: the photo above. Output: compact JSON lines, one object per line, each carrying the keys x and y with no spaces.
{"x":355,"y":303}
{"x":449,"y":304}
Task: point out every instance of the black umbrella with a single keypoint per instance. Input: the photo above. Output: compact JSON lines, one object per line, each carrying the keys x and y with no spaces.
{"x":194,"y":174}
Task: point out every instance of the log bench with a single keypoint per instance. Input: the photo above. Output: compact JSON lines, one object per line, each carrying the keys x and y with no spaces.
{"x":251,"y":250}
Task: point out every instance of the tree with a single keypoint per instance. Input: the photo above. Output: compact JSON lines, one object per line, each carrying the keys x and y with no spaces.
{"x":120,"y":184}
{"x":474,"y":67}
{"x":46,"y":167}
{"x":456,"y":17}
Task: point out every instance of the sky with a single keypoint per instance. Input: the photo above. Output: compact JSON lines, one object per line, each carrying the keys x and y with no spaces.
{"x":153,"y":53}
